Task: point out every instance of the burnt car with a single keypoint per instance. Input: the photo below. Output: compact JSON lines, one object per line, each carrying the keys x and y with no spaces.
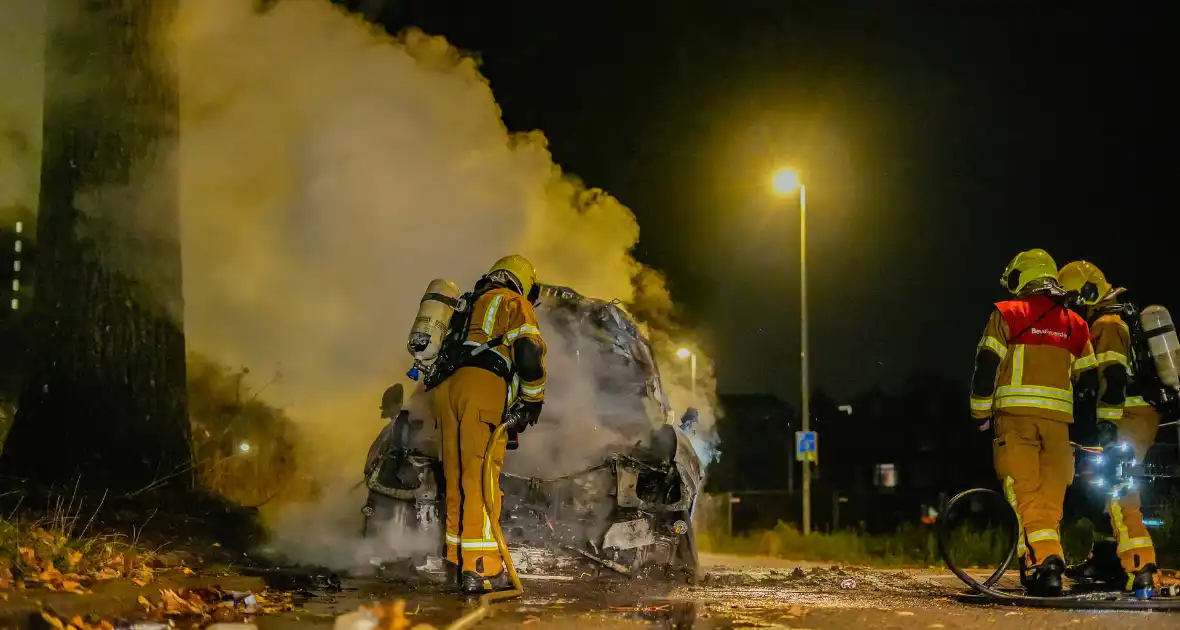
{"x":628,"y":513}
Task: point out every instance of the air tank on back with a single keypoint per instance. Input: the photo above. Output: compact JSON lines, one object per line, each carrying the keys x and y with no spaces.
{"x":433,"y":318}
{"x":1163,"y":344}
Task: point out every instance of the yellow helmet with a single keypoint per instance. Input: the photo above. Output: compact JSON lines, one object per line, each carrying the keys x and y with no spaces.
{"x":522,"y":272}
{"x":1026,"y":267}
{"x":1086,"y":279}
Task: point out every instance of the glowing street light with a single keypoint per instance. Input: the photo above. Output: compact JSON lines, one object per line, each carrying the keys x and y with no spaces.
{"x":244,"y":447}
{"x":685,"y":353}
{"x":787,"y":181}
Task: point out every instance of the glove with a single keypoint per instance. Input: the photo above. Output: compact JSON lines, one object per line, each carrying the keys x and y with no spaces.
{"x":982,"y":424}
{"x":530,"y":412}
{"x":1108,"y":433}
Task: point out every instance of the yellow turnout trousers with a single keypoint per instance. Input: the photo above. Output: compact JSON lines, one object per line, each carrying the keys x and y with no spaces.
{"x":1137,"y":427}
{"x":469,"y":406}
{"x":1034,"y":460}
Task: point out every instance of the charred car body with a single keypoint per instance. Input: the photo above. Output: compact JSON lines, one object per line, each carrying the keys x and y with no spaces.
{"x":630,"y":513}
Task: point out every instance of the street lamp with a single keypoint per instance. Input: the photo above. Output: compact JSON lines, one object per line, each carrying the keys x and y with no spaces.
{"x":685,"y":353}
{"x":785,"y":182}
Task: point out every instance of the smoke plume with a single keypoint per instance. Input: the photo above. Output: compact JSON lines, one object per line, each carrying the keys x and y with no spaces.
{"x":328,"y":172}
{"x":22,"y":68}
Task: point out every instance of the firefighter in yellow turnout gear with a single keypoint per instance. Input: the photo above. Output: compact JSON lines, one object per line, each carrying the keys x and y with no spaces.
{"x":505,"y":369}
{"x":1032,"y":349}
{"x":1122,"y":554}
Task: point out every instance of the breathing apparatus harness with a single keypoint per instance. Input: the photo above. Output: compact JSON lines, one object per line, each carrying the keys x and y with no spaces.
{"x":455,"y":353}
{"x":1144,"y":373}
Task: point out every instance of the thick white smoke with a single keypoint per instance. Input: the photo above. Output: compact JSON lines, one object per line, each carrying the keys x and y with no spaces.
{"x":328,"y":172}
{"x":22,"y":70}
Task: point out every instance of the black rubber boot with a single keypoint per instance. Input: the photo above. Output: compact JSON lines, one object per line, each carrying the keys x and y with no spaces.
{"x":1044,"y":580}
{"x":1102,"y":566}
{"x":1142,"y":582}
{"x":476,"y":584}
{"x":451,"y":571}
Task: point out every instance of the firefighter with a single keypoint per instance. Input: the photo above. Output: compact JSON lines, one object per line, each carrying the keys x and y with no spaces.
{"x":1122,"y":553}
{"x":504,"y":370}
{"x":1032,"y":349}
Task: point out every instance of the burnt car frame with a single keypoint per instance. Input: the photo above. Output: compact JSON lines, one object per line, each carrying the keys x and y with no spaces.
{"x":628,"y":515}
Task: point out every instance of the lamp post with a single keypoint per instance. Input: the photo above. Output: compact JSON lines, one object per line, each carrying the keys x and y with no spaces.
{"x":786,"y":182}
{"x":685,"y":353}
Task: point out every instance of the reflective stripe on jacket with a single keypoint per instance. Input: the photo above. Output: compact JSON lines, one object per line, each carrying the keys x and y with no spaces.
{"x":1042,"y":347}
{"x":503,"y":312}
{"x":1112,"y":346}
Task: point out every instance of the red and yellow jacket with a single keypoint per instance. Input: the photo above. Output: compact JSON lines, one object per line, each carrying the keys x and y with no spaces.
{"x":1031,"y":351}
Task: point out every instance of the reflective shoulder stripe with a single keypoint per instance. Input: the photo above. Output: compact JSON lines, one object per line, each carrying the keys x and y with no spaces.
{"x":1112,"y":357}
{"x":993,"y":344}
{"x":489,"y":317}
{"x":527,"y":330}
{"x":1110,"y":413}
{"x":1084,"y":363}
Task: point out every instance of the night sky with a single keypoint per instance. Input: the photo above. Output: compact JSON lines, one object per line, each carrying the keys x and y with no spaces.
{"x":936,"y":142}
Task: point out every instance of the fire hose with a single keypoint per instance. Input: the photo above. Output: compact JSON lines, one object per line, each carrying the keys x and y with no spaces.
{"x":987,"y":593}
{"x":484,"y":606}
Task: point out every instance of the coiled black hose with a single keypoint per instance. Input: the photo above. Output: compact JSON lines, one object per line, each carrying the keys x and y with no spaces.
{"x":984,"y":593}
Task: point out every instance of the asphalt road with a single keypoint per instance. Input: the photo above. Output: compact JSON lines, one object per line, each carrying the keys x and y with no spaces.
{"x":737,"y":593}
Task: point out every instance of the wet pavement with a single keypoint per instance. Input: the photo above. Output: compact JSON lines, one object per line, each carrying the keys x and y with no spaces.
{"x":736,"y":593}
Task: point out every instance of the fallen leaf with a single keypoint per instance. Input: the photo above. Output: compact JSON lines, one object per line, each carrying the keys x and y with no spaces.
{"x":188,"y":571}
{"x":27,"y":556}
{"x":53,"y":621}
{"x":105,"y":574}
{"x":904,"y":613}
{"x":144,"y":602}
{"x":50,"y":574}
{"x":69,"y":585}
{"x":73,"y":559}
{"x":5,"y":577}
{"x":528,"y":620}
{"x":44,"y":536}
{"x":3,"y":597}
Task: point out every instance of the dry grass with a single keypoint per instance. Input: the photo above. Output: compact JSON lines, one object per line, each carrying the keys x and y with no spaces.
{"x":61,"y":553}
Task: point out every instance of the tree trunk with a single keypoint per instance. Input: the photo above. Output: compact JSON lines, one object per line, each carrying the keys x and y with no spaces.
{"x":105,"y":401}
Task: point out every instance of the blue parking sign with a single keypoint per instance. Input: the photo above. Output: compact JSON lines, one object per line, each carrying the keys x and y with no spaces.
{"x":806,"y":446}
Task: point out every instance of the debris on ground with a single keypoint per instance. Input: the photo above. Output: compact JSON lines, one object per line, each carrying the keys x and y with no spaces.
{"x":386,"y":616}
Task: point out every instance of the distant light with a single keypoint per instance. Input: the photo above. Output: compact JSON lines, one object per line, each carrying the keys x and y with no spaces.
{"x":15,"y":304}
{"x":20,"y":227}
{"x":244,"y":447}
{"x":846,"y":409}
{"x":1098,"y":459}
{"x":16,"y":284}
{"x":17,"y":246}
{"x":684,"y":353}
{"x":786,"y":181}
{"x":1152,"y":522}
{"x":1125,"y":446}
{"x":1100,"y":481}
